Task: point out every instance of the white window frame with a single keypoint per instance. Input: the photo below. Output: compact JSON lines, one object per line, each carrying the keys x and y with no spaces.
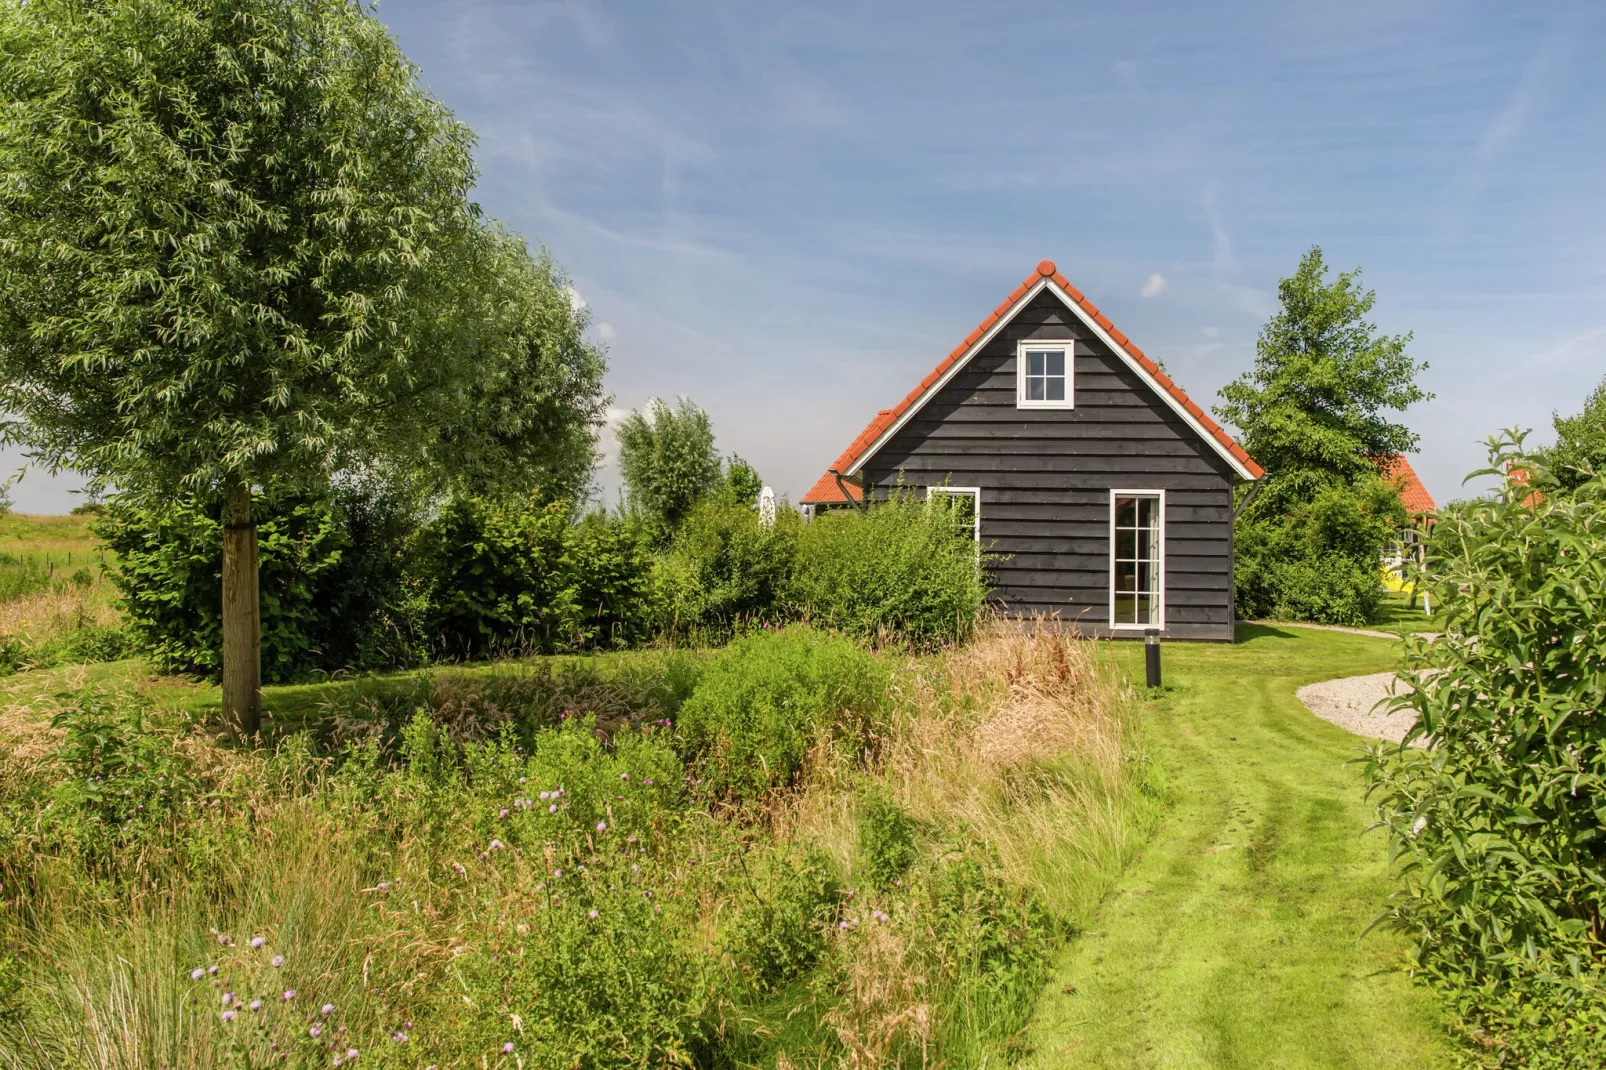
{"x":974,"y":492}
{"x":1026,"y":345}
{"x":1159,"y":562}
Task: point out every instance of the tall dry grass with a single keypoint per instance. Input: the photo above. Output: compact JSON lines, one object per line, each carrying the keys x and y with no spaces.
{"x":60,"y":609}
{"x":1027,"y":742}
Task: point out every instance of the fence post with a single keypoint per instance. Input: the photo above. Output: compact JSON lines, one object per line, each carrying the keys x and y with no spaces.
{"x":1151,"y":657}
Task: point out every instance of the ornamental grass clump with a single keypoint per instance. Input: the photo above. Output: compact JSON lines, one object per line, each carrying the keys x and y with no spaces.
{"x":1498,"y":825}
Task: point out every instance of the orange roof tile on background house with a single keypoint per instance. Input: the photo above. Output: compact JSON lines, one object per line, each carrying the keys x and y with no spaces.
{"x":826,"y":490}
{"x":1413,"y":495}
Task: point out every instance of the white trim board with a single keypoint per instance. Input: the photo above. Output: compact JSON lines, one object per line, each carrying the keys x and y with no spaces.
{"x":975,"y":491}
{"x":1159,"y":585}
{"x":1098,"y":332}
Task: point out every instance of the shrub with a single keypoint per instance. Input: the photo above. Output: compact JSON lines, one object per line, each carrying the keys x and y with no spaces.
{"x":778,"y":939}
{"x":886,"y":839}
{"x":723,"y":570}
{"x":903,"y":569}
{"x":330,"y":581}
{"x":1498,"y":825}
{"x":1320,"y":561}
{"x":763,"y":701}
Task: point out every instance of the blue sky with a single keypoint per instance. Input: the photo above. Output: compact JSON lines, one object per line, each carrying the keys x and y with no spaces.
{"x":791,"y":212}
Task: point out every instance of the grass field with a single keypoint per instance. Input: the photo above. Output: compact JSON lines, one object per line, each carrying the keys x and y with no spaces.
{"x":1235,"y":940}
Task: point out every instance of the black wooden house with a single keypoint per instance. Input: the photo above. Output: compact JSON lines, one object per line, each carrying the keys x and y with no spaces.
{"x":1105,"y":491}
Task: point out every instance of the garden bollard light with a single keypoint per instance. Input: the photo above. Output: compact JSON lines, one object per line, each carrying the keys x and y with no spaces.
{"x":1151,"y":656}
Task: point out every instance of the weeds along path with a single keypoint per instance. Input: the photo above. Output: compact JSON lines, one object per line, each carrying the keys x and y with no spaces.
{"x":1234,"y":940}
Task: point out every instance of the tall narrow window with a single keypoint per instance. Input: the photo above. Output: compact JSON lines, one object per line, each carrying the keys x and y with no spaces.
{"x":1137,"y":559}
{"x":963,"y":506}
{"x":1044,"y":377}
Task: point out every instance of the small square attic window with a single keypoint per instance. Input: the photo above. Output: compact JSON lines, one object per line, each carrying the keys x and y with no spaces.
{"x":1044,"y":375}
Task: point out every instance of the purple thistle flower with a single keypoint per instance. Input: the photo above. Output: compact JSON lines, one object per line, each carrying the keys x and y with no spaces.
{"x":502,"y":815}
{"x":552,"y":809}
{"x":602,"y":826}
{"x":228,"y":1016}
{"x":197,"y":973}
{"x":507,"y":1049}
{"x":399,"y":1037}
{"x":624,"y":776}
{"x":277,"y":961}
{"x":211,"y":969}
{"x":315,"y":1032}
{"x":289,"y":994}
{"x":351,"y":1053}
{"x":524,"y":780}
{"x":228,"y":998}
{"x":327,"y":1009}
{"x":496,"y":845}
{"x":256,"y":1005}
{"x":258,"y":941}
{"x":593,"y":915}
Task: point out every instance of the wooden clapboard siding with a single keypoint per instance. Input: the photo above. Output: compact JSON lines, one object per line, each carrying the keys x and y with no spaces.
{"x":1046,"y":475}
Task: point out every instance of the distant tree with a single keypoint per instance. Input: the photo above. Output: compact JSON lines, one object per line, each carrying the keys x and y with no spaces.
{"x":1316,"y":413}
{"x":239,"y":257}
{"x":1317,"y":407}
{"x":667,"y":459}
{"x":1580,"y":447}
{"x":743,"y":484}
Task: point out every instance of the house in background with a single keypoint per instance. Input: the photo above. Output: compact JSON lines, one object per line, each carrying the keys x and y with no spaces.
{"x":1419,"y":507}
{"x":1105,"y":491}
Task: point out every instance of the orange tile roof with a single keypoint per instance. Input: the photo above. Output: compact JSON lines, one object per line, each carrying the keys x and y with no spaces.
{"x":1413,"y":495}
{"x":1045,"y":270}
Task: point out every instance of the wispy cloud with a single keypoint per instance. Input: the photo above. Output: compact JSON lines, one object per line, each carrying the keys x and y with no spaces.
{"x":1154,"y":286}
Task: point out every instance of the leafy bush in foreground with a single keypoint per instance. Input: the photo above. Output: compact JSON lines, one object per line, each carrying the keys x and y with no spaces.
{"x":898,"y":570}
{"x":1500,"y":826}
{"x":765,"y":700}
{"x":724,"y":571}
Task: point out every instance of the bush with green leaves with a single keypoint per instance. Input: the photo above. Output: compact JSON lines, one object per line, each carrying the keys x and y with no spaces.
{"x":724,"y":571}
{"x":1499,"y":826}
{"x":766,"y":699}
{"x":901,"y":570}
{"x":331,"y":573}
{"x":522,"y":575}
{"x":777,"y":939}
{"x":886,"y":839}
{"x":1319,"y":561}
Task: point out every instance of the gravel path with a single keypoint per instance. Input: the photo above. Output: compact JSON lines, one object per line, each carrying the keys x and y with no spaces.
{"x":1357,"y":703}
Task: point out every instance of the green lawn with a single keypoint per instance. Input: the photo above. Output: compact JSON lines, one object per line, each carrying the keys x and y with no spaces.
{"x":1235,"y":939}
{"x":1395,"y":615}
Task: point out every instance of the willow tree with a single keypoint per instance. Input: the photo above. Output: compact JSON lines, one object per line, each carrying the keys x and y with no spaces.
{"x":238,"y":254}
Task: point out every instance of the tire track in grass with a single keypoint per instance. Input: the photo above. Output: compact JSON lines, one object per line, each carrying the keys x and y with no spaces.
{"x":1234,"y":939}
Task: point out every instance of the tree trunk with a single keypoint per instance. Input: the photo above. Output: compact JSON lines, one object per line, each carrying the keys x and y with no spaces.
{"x":242,"y":629}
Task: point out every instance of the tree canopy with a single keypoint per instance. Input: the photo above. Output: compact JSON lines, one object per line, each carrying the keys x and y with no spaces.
{"x":1318,"y":405}
{"x":1580,"y":449}
{"x":1316,"y":412}
{"x":667,"y":458}
{"x":239,"y":241}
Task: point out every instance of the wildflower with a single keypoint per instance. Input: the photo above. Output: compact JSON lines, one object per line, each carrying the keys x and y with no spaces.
{"x":507,"y":1049}
{"x":315,"y":1032}
{"x":228,"y":1016}
{"x":351,"y":1053}
{"x":649,"y":782}
{"x":624,"y":776}
{"x":503,"y":814}
{"x":327,"y":1009}
{"x":524,"y":780}
{"x":552,"y":809}
{"x":211,"y":969}
{"x":258,"y":941}
{"x":496,"y":845}
{"x":256,"y":1005}
{"x":602,"y":826}
{"x":556,"y":873}
{"x":399,"y":1037}
{"x":634,"y":868}
{"x":289,"y":994}
{"x":593,"y":915}
{"x":545,"y":795}
{"x":228,"y":998}
{"x":197,"y":973}
{"x":277,"y":961}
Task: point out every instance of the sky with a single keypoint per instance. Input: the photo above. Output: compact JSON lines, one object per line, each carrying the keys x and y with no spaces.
{"x":791,"y":212}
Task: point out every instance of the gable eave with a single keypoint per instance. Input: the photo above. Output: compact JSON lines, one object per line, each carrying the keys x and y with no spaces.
{"x":1049,"y":278}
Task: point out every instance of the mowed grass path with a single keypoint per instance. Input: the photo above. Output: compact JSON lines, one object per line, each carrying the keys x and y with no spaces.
{"x":1235,"y":938}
